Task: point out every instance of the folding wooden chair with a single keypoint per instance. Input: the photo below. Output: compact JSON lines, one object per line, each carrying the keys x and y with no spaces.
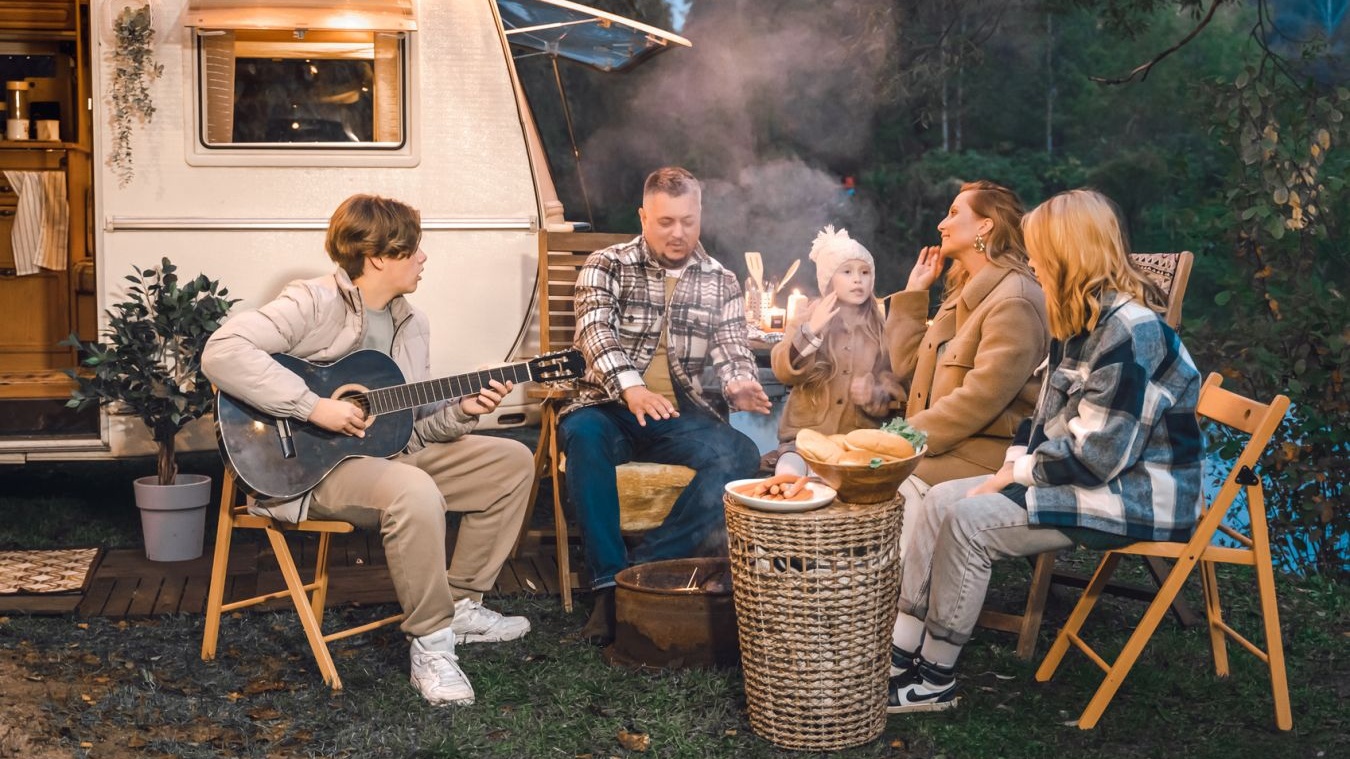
{"x":308,"y":598}
{"x":1171,"y":272}
{"x":1259,"y":421}
{"x":644,"y":489}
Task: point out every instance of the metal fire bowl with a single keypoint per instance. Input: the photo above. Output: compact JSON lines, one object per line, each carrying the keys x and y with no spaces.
{"x":674,"y":614}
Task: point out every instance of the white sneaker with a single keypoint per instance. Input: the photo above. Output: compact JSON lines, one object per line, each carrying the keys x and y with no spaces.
{"x":476,"y":623}
{"x":435,"y":670}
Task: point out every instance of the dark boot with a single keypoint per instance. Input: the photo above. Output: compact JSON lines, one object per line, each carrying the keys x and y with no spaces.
{"x":599,"y":629}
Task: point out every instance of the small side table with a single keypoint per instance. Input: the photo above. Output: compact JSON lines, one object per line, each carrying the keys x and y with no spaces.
{"x":816,"y":594}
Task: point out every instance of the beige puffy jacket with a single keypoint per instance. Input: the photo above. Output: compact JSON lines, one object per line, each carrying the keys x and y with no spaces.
{"x":321,"y":320}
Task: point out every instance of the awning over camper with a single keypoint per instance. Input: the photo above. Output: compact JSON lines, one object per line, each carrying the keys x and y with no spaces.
{"x":580,"y":33}
{"x":319,"y":15}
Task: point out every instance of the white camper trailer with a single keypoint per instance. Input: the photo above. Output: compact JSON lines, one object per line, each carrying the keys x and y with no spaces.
{"x":266,"y":114}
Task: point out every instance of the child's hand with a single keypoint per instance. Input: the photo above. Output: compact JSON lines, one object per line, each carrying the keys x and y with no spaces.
{"x":860,"y":390}
{"x":926,"y":269}
{"x":824,"y":311}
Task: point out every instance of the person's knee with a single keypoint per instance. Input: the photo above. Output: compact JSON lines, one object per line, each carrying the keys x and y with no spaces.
{"x":947,"y":492}
{"x":517,"y":459}
{"x":726,"y":449}
{"x":961,"y":530}
{"x":586,"y":434}
{"x":747,"y":454}
{"x":416,"y":500}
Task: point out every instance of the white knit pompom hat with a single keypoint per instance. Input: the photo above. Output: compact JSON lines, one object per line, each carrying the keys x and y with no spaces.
{"x":830,"y":250}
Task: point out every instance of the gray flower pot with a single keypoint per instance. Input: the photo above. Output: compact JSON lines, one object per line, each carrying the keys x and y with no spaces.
{"x":173,"y":517}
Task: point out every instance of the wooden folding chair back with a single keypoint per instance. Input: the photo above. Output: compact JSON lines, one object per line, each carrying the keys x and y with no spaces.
{"x":307,"y":598}
{"x":1171,"y":272}
{"x":1259,"y":421}
{"x":561,"y":256}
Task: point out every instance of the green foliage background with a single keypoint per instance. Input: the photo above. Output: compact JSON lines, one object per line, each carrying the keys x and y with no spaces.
{"x":1233,"y":146}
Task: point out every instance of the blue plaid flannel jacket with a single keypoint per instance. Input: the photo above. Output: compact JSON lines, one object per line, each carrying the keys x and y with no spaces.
{"x":1115,"y":444}
{"x":620,"y":302}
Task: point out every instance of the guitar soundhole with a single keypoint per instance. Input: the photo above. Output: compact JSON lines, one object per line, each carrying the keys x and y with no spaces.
{"x":356,"y":395}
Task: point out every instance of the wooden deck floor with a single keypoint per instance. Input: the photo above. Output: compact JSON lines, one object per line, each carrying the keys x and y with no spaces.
{"x":126,"y":584}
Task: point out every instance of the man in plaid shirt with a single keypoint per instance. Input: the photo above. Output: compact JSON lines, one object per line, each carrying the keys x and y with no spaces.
{"x":651,"y":314}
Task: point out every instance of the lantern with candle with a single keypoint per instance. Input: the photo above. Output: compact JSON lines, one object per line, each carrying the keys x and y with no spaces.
{"x":773,"y":319}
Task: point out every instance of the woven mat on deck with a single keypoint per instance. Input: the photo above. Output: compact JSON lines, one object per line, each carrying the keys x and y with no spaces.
{"x":66,"y":570}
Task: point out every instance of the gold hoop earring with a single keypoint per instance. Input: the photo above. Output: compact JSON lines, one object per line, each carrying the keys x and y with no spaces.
{"x":980,"y":244}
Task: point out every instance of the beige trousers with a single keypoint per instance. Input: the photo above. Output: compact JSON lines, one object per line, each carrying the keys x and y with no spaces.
{"x":486,"y":479}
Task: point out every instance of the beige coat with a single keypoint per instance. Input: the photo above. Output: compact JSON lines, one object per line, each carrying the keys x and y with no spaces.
{"x":827,"y":407}
{"x":970,"y":373}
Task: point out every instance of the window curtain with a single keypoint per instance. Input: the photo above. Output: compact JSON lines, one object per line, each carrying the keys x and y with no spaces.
{"x":218,"y":86}
{"x":388,"y":94}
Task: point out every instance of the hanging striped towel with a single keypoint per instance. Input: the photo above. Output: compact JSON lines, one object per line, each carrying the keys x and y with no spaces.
{"x":42,"y":222}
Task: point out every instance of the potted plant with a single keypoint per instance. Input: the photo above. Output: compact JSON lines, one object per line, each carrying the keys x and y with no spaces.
{"x":132,"y":54}
{"x":149,"y":365}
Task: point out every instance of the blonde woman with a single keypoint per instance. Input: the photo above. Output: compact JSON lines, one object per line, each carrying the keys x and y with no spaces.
{"x":969,"y":373}
{"x":1112,"y":453}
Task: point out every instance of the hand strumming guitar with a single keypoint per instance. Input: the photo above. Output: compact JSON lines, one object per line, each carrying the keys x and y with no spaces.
{"x":339,"y":416}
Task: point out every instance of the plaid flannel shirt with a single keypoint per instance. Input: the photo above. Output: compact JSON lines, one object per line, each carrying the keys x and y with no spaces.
{"x":620,"y":304}
{"x":1115,"y":444}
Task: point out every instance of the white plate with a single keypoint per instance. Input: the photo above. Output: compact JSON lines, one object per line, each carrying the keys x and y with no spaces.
{"x":821,"y":495}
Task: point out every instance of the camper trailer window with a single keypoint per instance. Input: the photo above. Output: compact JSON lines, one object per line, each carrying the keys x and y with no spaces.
{"x":297,"y":91}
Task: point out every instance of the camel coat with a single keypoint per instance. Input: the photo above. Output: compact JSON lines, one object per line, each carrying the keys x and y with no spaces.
{"x":969,"y":374}
{"x":827,"y":406}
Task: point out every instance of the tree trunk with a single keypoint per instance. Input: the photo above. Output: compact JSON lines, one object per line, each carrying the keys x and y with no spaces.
{"x":167,"y":465}
{"x":959,"y":114}
{"x":1049,"y":84}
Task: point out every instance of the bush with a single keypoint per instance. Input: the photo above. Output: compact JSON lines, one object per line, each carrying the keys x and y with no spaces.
{"x":1281,"y":323}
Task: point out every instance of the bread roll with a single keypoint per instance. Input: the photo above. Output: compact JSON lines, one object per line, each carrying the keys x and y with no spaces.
{"x":840,"y":440}
{"x":857,"y":457}
{"x":817,"y":446}
{"x":881,"y":442}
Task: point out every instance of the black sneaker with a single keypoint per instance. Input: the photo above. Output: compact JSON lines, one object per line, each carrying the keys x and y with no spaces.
{"x":902,"y":661}
{"x":926,"y":688}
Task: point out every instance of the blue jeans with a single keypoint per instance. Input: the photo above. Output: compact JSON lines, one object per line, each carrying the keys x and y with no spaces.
{"x":596,"y":439}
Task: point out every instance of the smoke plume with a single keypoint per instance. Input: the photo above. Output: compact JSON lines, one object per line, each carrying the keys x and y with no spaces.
{"x":771,"y":108}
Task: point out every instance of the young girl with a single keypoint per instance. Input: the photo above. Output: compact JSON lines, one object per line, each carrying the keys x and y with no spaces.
{"x":1112,"y":454}
{"x":832,"y":354}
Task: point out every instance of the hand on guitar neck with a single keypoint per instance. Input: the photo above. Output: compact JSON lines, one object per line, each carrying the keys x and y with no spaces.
{"x":487,"y":399}
{"x":347,"y":418}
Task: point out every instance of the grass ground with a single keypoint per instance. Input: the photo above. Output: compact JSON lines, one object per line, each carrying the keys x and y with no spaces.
{"x":95,"y":688}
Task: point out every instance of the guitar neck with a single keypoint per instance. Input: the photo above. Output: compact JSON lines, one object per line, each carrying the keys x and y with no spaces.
{"x":401,"y":397}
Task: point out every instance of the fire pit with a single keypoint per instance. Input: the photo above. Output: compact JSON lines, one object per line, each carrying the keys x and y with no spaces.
{"x":674,"y":614}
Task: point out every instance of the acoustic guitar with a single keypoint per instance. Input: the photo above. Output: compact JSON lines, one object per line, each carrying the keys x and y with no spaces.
{"x":283,"y":458}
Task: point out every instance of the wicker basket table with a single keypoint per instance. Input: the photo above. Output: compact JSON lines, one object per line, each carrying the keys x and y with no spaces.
{"x":816,"y":595}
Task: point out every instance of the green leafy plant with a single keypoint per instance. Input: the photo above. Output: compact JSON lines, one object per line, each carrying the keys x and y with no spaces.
{"x":134,"y":65}
{"x":150,"y":360}
{"x":1281,"y":324}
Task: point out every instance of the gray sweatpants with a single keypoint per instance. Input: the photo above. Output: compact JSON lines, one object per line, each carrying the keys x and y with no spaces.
{"x":406,"y":498}
{"x":955,"y":540}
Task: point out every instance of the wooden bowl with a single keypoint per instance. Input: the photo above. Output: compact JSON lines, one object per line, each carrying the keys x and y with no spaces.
{"x":865,"y":484}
